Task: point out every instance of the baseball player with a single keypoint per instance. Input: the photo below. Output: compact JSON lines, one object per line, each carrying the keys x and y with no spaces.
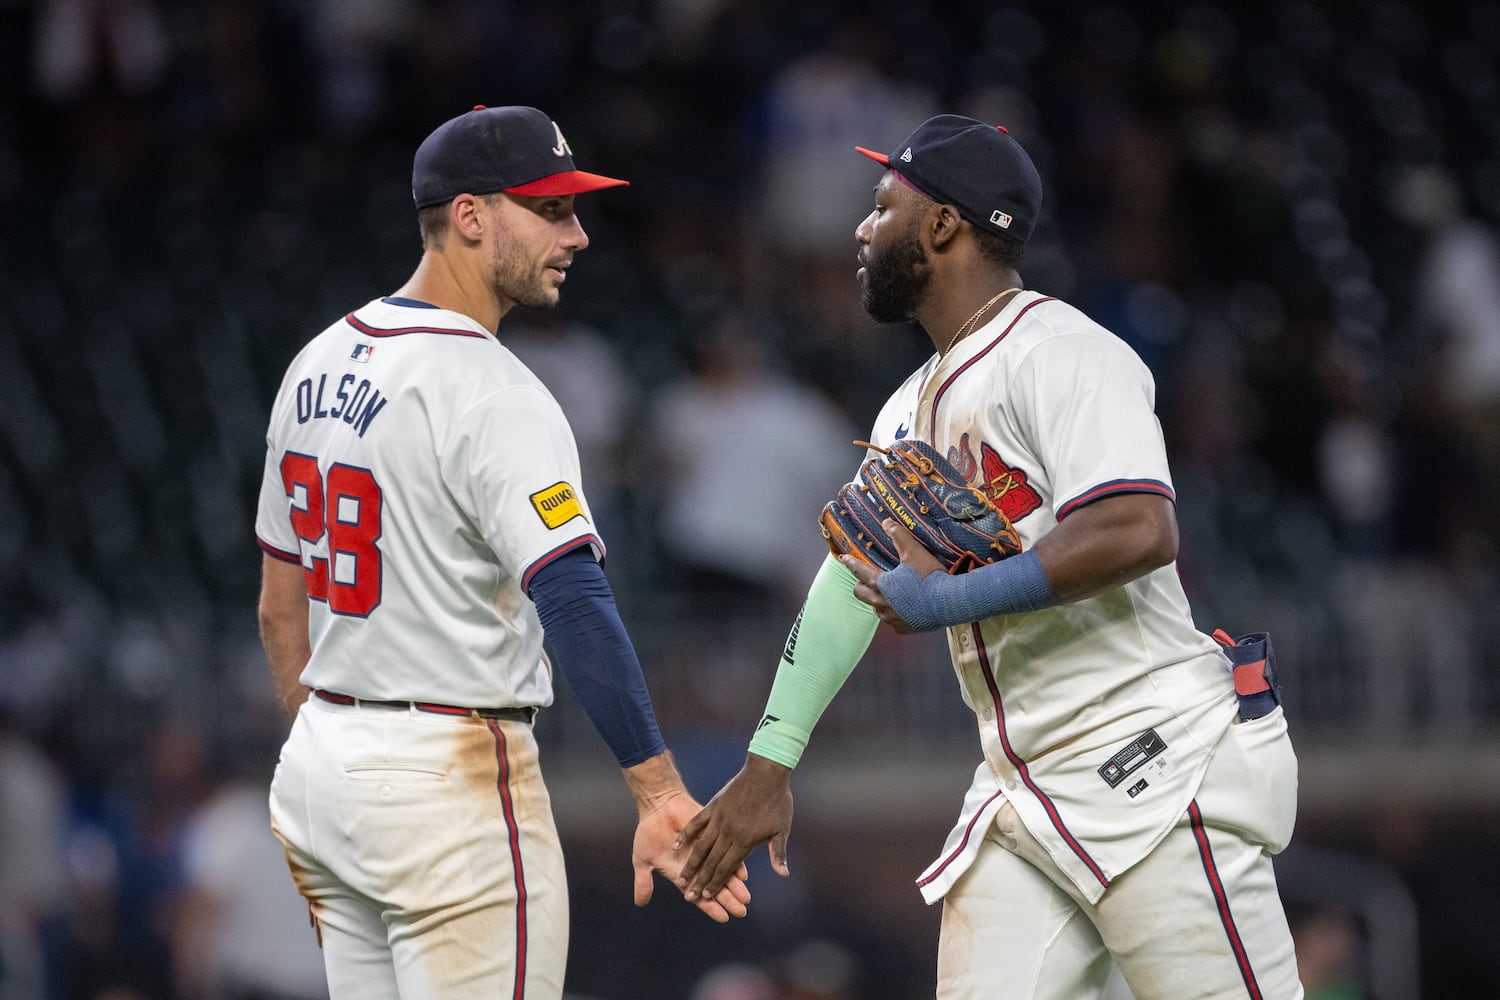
{"x":1130,"y":799}
{"x":425,"y":528}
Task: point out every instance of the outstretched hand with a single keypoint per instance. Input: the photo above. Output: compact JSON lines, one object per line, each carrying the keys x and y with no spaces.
{"x":754,"y":807}
{"x":656,"y":849}
{"x":912,"y":554}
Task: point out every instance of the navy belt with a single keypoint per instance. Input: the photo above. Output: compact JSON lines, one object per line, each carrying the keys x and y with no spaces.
{"x":526,"y":714}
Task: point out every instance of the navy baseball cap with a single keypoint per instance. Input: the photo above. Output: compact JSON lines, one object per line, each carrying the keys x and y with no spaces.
{"x":977,"y":168}
{"x":514,"y":149}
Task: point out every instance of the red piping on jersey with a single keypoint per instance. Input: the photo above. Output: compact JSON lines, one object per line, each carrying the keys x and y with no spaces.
{"x":1221,"y":899}
{"x":1020,"y":765}
{"x":961,"y":844}
{"x":557,"y":553}
{"x":1111,"y":488}
{"x":932,"y":424}
{"x":508,"y":808}
{"x":375,"y":331}
{"x":276,"y":553}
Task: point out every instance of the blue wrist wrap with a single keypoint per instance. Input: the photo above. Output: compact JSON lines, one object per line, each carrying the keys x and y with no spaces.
{"x":939,"y":600}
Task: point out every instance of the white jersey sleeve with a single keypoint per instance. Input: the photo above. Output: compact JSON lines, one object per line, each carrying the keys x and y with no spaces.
{"x":1084,"y":404}
{"x":273,"y":513}
{"x":513,"y":468}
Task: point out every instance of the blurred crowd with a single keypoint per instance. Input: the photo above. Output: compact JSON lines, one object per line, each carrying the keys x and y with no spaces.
{"x":1289,"y":209}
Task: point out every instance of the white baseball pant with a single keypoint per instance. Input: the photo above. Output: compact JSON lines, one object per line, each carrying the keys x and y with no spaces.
{"x":426,"y":848}
{"x":1199,"y":918}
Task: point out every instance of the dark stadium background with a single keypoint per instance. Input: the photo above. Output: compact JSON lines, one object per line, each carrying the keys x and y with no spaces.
{"x":1289,"y":209}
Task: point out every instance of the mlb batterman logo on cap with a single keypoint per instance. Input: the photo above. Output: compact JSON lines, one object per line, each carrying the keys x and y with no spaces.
{"x":977,"y":168}
{"x":514,"y":149}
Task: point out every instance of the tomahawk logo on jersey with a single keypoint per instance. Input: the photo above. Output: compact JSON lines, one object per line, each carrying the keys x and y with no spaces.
{"x":1004,"y":484}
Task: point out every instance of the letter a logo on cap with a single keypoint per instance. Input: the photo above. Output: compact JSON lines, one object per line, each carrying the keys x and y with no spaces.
{"x":562,"y":148}
{"x":1000,"y":219}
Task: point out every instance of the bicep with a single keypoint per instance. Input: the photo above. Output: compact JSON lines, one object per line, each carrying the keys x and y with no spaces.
{"x":1108,"y":543}
{"x":283,"y":596}
{"x":283,"y":617}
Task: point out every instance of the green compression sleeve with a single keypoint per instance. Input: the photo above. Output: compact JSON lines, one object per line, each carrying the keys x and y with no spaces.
{"x":831,"y":633}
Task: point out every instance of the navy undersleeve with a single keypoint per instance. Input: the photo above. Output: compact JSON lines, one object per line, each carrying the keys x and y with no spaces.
{"x":587,"y":640}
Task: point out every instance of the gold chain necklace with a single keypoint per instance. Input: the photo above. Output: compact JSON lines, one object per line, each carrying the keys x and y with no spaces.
{"x":963,"y":330}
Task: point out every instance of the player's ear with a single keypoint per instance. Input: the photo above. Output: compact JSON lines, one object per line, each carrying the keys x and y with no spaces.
{"x":467,"y":216}
{"x":943,"y":224}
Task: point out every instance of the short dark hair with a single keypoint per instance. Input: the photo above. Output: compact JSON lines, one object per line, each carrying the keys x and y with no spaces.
{"x":998,"y":250}
{"x":432,"y":221}
{"x":432,"y":224}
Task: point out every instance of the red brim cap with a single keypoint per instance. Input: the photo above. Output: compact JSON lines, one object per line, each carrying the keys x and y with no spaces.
{"x":885,"y":161}
{"x":567,"y":182}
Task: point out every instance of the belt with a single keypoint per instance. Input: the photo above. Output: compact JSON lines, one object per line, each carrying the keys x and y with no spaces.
{"x":525,"y":714}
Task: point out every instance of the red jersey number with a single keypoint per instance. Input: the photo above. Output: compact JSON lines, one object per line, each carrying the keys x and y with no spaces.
{"x":345,"y":508}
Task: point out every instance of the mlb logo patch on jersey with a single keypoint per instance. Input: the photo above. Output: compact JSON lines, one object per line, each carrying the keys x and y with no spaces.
{"x":1135,"y":754}
{"x":362,"y":352}
{"x":557,"y":504}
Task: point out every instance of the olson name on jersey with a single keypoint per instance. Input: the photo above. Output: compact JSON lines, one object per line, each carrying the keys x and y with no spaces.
{"x":356,"y":405}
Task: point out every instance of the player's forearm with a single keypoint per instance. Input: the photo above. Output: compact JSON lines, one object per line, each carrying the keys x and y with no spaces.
{"x":588,"y":641}
{"x":1011,"y":586}
{"x":287,"y":651}
{"x":1098,"y":548}
{"x":826,"y":642}
{"x":283,"y":630}
{"x":653,"y":781}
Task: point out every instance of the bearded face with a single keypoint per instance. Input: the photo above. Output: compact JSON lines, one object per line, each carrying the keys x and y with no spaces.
{"x":517,"y":274}
{"x":895,"y":276}
{"x":532,"y":244}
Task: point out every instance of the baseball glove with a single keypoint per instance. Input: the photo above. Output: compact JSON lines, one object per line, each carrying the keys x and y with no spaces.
{"x":922,"y":490}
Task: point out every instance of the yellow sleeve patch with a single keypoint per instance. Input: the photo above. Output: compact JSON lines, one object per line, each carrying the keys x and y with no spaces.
{"x":557,"y":504}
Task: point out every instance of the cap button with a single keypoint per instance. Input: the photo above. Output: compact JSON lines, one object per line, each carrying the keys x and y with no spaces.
{"x":479,"y":107}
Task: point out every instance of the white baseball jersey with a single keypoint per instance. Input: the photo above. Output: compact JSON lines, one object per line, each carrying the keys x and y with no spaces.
{"x":412,"y":461}
{"x":1097,"y":718}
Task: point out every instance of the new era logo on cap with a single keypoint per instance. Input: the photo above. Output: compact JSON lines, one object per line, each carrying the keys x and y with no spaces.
{"x":974,"y":167}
